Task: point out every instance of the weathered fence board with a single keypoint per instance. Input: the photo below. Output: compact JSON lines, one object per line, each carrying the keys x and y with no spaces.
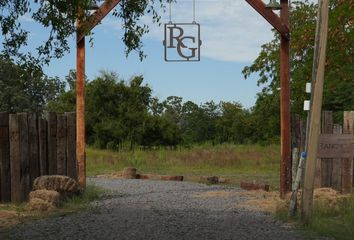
{"x":326,"y":163}
{"x":337,"y":164}
{"x":347,"y":163}
{"x":61,"y":145}
{"x":52,"y":142}
{"x":15,"y":163}
{"x":71,"y":145}
{"x":43,"y":147}
{"x":334,"y":167}
{"x":30,"y":147}
{"x":5,"y":181}
{"x":33,"y":147}
{"x":24,"y":155}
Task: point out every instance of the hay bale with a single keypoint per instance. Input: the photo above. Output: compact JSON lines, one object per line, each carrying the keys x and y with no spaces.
{"x":52,"y":197}
{"x":65,"y":185}
{"x":129,"y":173}
{"x":37,"y":204}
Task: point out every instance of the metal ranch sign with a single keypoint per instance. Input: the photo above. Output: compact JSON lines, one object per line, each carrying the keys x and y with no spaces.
{"x":182,"y":42}
{"x":336,"y":146}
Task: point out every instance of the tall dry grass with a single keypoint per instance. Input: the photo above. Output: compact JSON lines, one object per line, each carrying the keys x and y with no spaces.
{"x":236,"y":162}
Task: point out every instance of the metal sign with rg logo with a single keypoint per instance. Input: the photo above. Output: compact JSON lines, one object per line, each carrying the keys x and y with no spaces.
{"x":182,"y":42}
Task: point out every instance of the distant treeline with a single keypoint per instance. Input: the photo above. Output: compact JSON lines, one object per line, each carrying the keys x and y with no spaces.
{"x":124,"y":114}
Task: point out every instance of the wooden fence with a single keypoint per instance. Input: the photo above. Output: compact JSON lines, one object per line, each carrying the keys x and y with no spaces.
{"x":31,"y":146}
{"x":337,"y":173}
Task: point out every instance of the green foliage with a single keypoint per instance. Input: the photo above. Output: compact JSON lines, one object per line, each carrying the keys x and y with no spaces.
{"x":25,"y":87}
{"x":339,"y":84}
{"x":122,"y":115}
{"x":60,"y":16}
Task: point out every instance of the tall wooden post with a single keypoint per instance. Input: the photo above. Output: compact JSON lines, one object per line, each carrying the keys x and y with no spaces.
{"x":80,"y":111}
{"x":316,"y":105}
{"x":281,"y":24}
{"x":83,"y":28}
{"x":285,"y":169}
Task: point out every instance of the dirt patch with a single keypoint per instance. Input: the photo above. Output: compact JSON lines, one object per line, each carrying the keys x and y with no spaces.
{"x":215,"y":194}
{"x":270,"y":201}
{"x":259,"y":200}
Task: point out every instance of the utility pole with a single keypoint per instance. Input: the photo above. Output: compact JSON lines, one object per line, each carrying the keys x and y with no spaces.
{"x":84,"y":27}
{"x":281,"y":24}
{"x":316,"y":105}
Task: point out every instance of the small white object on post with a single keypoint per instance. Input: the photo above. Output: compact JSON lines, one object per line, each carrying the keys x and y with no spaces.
{"x":307,"y":105}
{"x":308,"y":87}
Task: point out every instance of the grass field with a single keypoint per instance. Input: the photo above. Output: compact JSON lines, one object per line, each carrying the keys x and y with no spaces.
{"x":234,"y":162}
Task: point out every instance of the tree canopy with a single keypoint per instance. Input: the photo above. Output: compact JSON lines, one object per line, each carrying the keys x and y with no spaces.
{"x":26,"y":88}
{"x":339,"y":84}
{"x":60,"y":17}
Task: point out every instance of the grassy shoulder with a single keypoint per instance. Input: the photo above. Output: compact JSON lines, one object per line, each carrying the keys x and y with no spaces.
{"x":332,"y":218}
{"x":12,"y":214}
{"x":234,"y":162}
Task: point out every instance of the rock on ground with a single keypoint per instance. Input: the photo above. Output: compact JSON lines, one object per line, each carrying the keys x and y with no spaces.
{"x":137,"y":209}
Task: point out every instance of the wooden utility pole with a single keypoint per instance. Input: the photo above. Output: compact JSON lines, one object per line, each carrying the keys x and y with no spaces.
{"x":85,"y":27}
{"x":316,"y":105}
{"x":281,"y":24}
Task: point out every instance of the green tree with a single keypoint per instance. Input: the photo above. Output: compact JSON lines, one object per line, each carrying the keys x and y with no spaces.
{"x":26,"y":88}
{"x":339,"y":84}
{"x":230,"y":126}
{"x":60,"y":16}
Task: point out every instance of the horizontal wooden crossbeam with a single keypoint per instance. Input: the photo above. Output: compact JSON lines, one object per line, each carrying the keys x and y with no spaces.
{"x":96,"y":18}
{"x":270,"y":16}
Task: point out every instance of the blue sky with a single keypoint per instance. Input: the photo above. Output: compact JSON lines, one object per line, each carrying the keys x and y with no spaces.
{"x":232,"y":34}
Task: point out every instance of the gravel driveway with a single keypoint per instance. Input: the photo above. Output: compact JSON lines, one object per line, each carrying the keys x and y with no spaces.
{"x":138,"y":209}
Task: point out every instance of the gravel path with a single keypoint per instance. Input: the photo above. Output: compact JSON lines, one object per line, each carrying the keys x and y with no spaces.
{"x":139,"y":209}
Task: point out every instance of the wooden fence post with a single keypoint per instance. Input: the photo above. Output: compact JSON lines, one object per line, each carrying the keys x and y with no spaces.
{"x":71,"y":145}
{"x":326,"y":163}
{"x":61,"y":144}
{"x":24,"y":155}
{"x":347,"y":163}
{"x":5,"y":177}
{"x":15,"y":162}
{"x":52,"y":142}
{"x":33,"y":147}
{"x":337,"y":165}
{"x":43,"y":146}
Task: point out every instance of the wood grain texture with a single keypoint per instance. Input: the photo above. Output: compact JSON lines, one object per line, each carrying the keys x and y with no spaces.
{"x":33,"y":147}
{"x":52,"y":142}
{"x":61,"y":145}
{"x":15,"y":162}
{"x":71,"y":145}
{"x":5,"y":177}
